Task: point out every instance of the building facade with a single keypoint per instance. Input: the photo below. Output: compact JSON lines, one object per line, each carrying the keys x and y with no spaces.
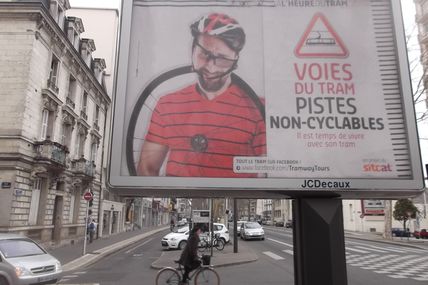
{"x":54,"y":107}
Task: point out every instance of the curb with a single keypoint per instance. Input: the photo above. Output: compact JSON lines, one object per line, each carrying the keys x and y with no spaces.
{"x":91,"y":258}
{"x":416,"y":246}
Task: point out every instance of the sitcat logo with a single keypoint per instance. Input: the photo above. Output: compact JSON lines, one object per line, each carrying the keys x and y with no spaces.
{"x":377,"y":167}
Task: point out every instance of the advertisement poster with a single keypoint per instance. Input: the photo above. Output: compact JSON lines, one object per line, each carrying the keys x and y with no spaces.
{"x":373,"y":207}
{"x":302,"y":94}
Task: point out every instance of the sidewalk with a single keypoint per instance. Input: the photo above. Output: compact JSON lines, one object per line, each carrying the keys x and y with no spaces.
{"x":71,"y":257}
{"x":377,"y":237}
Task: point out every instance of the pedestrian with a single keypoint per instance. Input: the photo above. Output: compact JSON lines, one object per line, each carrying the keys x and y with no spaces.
{"x":172,"y":224}
{"x":92,"y":227}
{"x":200,"y":128}
{"x":189,"y":257}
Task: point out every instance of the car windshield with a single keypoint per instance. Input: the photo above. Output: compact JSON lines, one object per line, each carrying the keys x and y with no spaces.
{"x":19,"y":247}
{"x":181,"y":230}
{"x":252,"y":226}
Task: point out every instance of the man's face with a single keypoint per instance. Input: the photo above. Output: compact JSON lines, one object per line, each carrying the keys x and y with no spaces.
{"x":213,"y":58}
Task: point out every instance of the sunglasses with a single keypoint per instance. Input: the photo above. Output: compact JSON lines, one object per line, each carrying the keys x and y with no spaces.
{"x":220,"y":61}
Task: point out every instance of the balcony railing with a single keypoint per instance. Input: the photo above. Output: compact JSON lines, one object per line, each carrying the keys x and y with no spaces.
{"x":51,"y":151}
{"x":52,"y":86}
{"x":83,"y":166}
{"x":70,"y":103}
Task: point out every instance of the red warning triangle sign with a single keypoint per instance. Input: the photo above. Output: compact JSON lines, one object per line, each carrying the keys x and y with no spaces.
{"x":320,"y":40}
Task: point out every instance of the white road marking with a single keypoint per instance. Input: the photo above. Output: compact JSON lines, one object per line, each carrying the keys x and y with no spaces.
{"x":141,"y":244}
{"x":280,"y":242}
{"x":357,"y":250}
{"x":372,"y":249}
{"x":288,"y":251}
{"x":273,"y":255}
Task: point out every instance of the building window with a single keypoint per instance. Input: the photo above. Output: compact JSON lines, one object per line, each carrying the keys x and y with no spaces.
{"x":80,"y":145}
{"x":35,"y":200}
{"x":53,"y":75}
{"x":72,"y":86}
{"x":60,"y":17}
{"x":94,"y":149}
{"x":47,"y":124}
{"x":66,"y":135}
{"x":97,"y":115}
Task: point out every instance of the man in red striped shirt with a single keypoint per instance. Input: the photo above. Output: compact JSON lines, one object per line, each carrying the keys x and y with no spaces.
{"x":200,"y":128}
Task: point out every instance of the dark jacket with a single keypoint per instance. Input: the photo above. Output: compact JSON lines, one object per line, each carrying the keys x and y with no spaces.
{"x":190,"y":253}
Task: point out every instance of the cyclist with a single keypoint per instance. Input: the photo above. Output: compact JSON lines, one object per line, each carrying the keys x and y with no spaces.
{"x":200,"y":128}
{"x":189,"y":257}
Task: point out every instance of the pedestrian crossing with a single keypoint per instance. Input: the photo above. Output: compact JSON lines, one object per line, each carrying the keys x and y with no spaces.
{"x":393,"y":261}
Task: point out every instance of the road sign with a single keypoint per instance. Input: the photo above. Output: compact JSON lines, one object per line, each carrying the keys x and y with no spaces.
{"x":88,"y":196}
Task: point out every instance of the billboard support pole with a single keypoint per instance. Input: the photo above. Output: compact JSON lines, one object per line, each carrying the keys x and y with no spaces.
{"x":211,"y":225}
{"x":319,"y":260}
{"x":235,"y":225}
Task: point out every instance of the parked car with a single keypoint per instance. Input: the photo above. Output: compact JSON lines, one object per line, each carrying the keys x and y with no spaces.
{"x":176,"y":240}
{"x":252,"y":230}
{"x":222,"y":230}
{"x":279,"y":223}
{"x":289,"y":224}
{"x":24,"y":262}
{"x":421,"y":234}
{"x":269,"y":223}
{"x":238,"y":227}
{"x":399,"y":232}
{"x":7,"y":274}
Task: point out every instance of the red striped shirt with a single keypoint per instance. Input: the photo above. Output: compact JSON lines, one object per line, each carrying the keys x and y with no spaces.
{"x":229,"y":125}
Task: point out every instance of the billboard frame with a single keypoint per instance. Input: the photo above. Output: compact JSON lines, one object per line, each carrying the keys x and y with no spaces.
{"x":262,"y":187}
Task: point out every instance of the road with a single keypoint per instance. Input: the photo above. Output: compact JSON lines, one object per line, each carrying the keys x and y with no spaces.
{"x":367,"y":263}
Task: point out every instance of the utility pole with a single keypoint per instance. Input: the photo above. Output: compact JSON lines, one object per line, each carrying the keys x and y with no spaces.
{"x":388,"y":220}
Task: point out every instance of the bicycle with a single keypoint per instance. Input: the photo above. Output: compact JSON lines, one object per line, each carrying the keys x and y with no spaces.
{"x":204,"y":274}
{"x":205,"y":243}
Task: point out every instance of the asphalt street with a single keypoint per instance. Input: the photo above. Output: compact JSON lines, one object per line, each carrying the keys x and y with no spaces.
{"x":368,"y":262}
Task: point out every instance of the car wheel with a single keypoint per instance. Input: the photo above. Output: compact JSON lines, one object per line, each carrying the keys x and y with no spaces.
{"x":3,"y":281}
{"x":182,"y":244}
{"x":224,"y":240}
{"x":263,"y":238}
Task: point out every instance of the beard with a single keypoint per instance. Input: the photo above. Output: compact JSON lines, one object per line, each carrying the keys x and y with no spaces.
{"x":212,"y":82}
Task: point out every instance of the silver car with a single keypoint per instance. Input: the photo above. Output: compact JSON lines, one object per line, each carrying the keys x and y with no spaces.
{"x":23,"y":262}
{"x":252,"y":230}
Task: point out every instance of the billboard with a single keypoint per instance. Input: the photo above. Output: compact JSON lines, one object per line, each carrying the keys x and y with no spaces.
{"x":254,"y":98}
{"x":373,"y":207}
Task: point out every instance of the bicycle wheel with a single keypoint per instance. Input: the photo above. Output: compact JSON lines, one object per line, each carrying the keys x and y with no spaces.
{"x":168,"y":276}
{"x":207,"y":276}
{"x":219,"y":244}
{"x":146,"y":102}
